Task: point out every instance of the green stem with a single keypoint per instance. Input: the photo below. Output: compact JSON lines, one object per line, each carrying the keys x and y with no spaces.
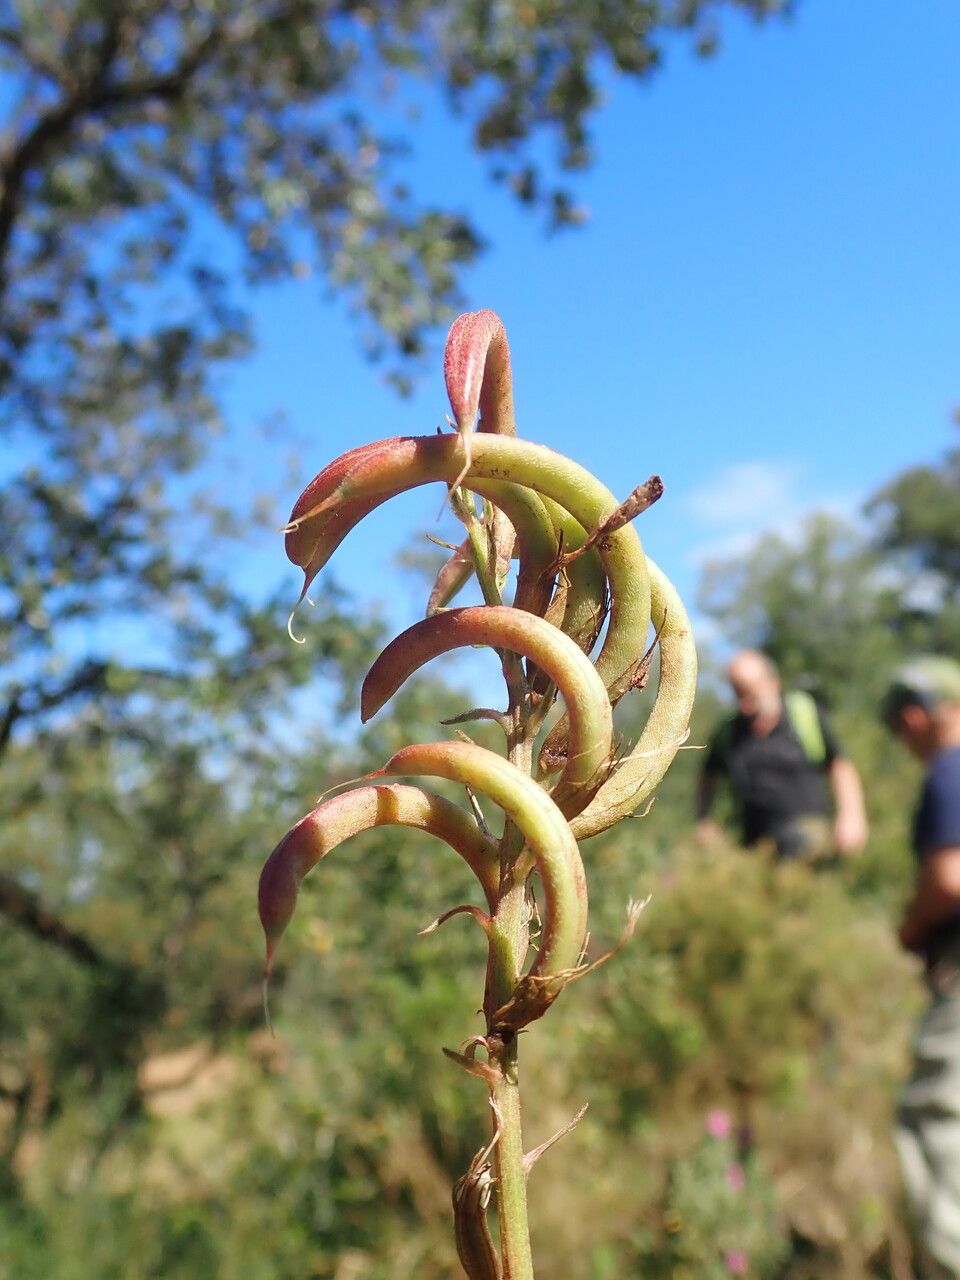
{"x":513,"y":915}
{"x":515,"y":1254}
{"x":506,"y":961}
{"x":510,"y":940}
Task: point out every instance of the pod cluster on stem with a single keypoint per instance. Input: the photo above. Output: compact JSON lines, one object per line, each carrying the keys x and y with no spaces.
{"x":589,"y":613}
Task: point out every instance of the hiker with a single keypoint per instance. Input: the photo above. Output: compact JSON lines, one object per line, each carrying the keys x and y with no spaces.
{"x":785,"y":768}
{"x":922,"y":707}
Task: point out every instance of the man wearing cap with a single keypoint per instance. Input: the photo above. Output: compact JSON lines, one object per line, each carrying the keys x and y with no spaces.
{"x":785,"y":768}
{"x":922,"y":707}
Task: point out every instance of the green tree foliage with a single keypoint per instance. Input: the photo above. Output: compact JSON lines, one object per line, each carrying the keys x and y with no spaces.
{"x":837,"y":605}
{"x":917,"y":517}
{"x":817,"y":604}
{"x":130,"y":124}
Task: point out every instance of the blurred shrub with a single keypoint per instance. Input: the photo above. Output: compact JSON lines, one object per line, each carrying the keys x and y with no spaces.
{"x":773,"y":994}
{"x":722,"y":1215}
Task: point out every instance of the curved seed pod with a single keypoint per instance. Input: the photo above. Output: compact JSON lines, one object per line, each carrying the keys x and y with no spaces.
{"x":334,"y":821}
{"x":639,"y":773}
{"x":553,"y":848}
{"x":585,"y":604}
{"x":476,"y":369}
{"x":536,"y":540}
{"x":300,"y":543}
{"x":471,"y":1195}
{"x":452,"y":577}
{"x":418,"y":460}
{"x":537,"y":547}
{"x":582,"y":602}
{"x":503,"y":539}
{"x":320,"y":535}
{"x":585,"y":599}
{"x":591,"y":719}
{"x":477,"y":373}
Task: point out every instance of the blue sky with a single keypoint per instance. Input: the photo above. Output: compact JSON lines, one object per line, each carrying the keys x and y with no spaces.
{"x":763,"y":307}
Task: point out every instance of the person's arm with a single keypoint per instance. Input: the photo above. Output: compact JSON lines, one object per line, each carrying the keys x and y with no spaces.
{"x":850,"y":829}
{"x":936,"y":898}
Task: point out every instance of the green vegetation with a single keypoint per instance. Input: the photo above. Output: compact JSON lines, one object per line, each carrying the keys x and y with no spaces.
{"x":152,"y":1128}
{"x":149,"y":1127}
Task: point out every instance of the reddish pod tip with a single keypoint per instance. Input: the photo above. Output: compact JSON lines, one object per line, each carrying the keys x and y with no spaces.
{"x":476,"y":369}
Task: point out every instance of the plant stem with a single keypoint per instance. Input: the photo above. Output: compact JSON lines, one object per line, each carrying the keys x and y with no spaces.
{"x":516,"y":1258}
{"x":509,"y":944}
{"x":513,"y":916}
{"x":506,"y":961}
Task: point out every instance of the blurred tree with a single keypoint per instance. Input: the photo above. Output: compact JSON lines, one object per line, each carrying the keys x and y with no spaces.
{"x":818,"y":605}
{"x":130,"y":124}
{"x":132,"y":132}
{"x":917,"y":516}
{"x":838,"y":605}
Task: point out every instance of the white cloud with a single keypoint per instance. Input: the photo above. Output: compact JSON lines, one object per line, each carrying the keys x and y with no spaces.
{"x":745,"y":494}
{"x":746,"y":499}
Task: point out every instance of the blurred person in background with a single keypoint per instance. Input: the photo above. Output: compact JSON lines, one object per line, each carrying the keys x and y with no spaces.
{"x":922,"y":707}
{"x":792,"y":784}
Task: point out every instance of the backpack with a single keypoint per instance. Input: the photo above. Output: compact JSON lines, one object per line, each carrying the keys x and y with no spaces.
{"x":803,"y":718}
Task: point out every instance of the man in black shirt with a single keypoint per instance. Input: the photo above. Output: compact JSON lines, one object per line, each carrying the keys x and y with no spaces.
{"x":785,"y":768}
{"x":923,"y":708}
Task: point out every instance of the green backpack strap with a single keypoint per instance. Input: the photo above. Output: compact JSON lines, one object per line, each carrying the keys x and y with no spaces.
{"x":804,"y":718}
{"x":805,"y":722}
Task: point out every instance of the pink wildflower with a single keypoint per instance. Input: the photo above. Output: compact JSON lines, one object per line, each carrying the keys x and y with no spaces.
{"x":718,"y":1123}
{"x":736,"y":1261}
{"x":736,"y":1180}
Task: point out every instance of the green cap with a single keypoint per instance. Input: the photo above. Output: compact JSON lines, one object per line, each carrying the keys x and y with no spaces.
{"x":925,"y":681}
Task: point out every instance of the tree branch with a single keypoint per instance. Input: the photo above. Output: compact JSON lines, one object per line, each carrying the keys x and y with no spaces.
{"x":14,"y":41}
{"x":95,"y":97}
{"x":10,"y":717}
{"x":20,"y":906}
{"x":89,"y":677}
